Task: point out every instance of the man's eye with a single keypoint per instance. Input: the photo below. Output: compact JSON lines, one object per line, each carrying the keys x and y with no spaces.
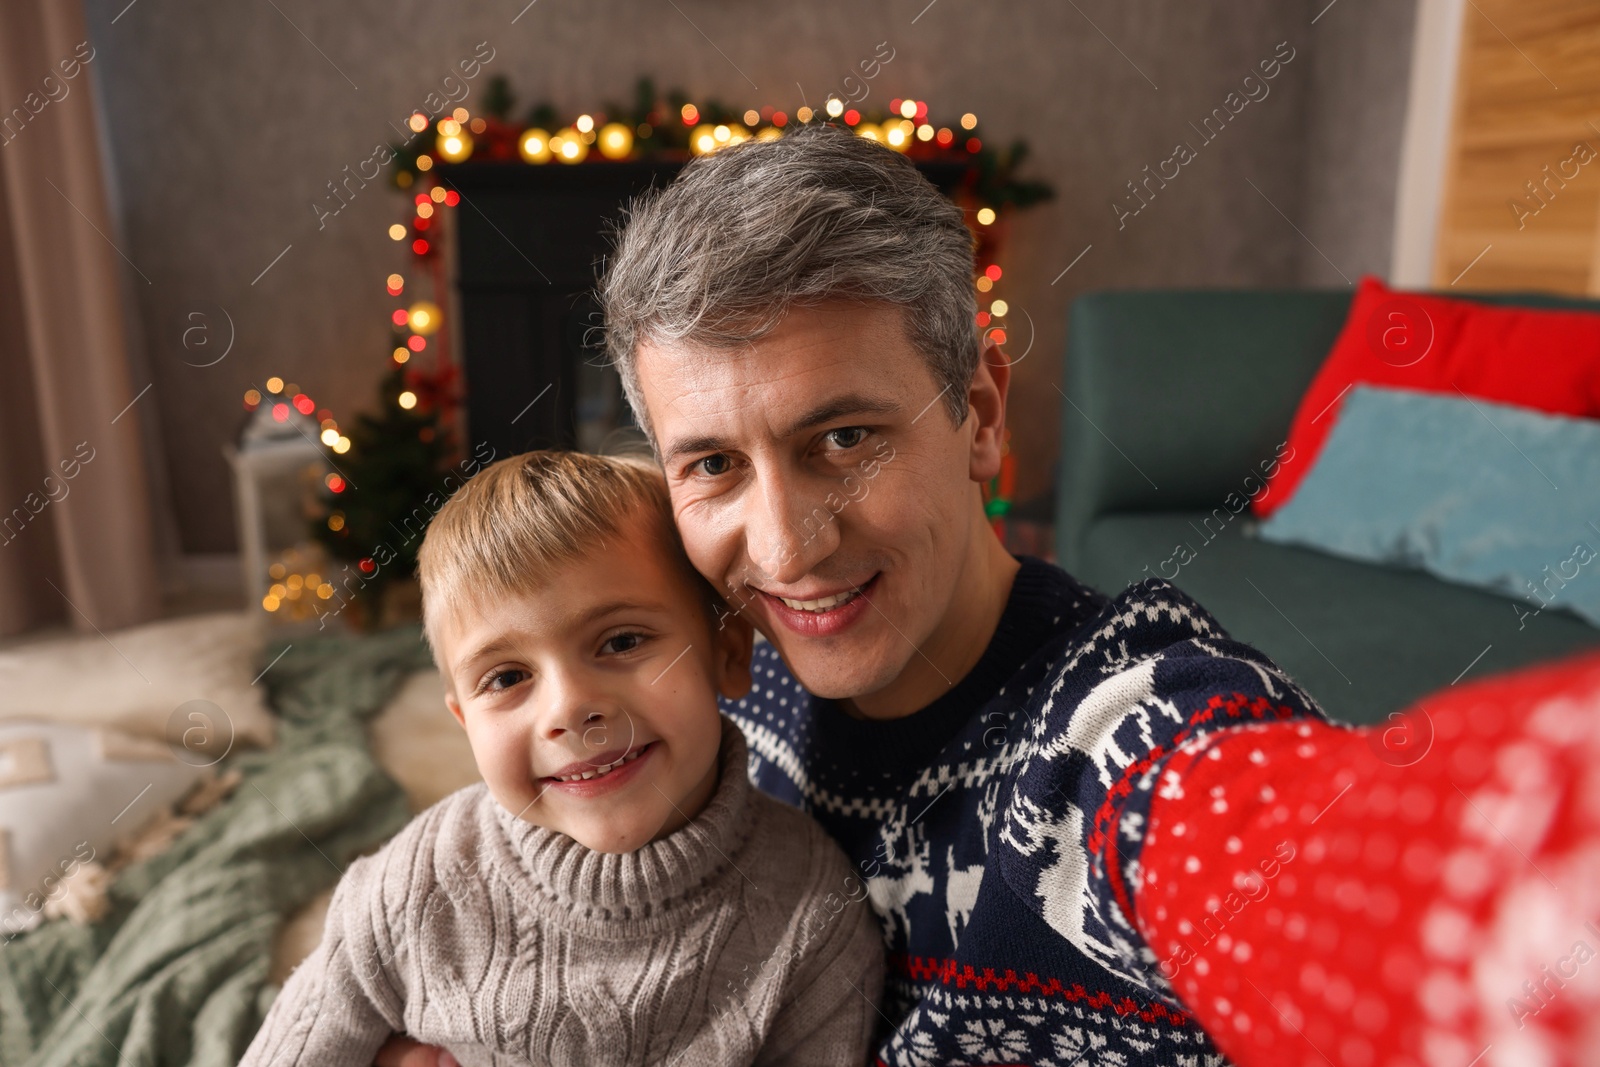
{"x":623,"y":642}
{"x":715,"y":464}
{"x":847,"y":436}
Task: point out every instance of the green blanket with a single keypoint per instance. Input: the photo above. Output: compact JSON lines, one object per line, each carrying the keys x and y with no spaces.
{"x":175,"y":974}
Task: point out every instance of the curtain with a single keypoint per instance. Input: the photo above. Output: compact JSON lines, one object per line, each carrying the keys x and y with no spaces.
{"x":77,"y":539}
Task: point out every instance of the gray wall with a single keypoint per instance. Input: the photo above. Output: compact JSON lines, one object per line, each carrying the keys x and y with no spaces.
{"x":226,"y":121}
{"x":1356,"y":109}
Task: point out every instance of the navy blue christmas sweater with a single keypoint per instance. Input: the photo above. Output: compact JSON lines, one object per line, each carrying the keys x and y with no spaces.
{"x":982,"y":824}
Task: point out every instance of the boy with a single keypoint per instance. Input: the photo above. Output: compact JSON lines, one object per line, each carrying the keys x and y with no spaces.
{"x":615,"y":890}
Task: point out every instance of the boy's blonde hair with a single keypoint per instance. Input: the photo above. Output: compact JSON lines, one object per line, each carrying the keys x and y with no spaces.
{"x":506,"y":531}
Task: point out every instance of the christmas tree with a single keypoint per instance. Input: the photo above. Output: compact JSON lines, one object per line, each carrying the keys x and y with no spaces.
{"x":375,"y":504}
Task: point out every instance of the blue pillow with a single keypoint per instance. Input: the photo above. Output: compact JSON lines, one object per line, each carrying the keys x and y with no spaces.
{"x":1487,"y":494}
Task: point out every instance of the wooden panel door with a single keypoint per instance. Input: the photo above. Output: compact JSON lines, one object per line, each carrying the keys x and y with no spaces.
{"x":1522,"y":181}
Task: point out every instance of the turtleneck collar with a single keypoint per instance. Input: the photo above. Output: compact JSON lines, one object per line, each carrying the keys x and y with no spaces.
{"x":1044,"y":602}
{"x":662,"y":877}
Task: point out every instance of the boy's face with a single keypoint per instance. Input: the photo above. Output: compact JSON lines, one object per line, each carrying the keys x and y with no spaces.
{"x":615,"y":663}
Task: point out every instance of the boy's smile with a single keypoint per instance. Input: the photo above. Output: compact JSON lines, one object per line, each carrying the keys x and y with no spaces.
{"x":590,"y":704}
{"x":600,"y":766}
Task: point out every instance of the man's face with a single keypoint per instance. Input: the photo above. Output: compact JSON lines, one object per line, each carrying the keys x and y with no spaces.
{"x":818,"y":482}
{"x":591,"y":703}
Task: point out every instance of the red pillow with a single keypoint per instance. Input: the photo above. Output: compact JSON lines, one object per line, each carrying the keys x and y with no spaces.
{"x":1545,"y":360}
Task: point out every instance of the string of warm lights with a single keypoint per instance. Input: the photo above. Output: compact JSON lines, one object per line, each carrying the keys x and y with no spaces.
{"x":295,"y":579}
{"x":294,"y":591}
{"x":905,"y":129}
{"x":681,"y":129}
{"x":461,"y":137}
{"x":615,"y":140}
{"x":290,"y":397}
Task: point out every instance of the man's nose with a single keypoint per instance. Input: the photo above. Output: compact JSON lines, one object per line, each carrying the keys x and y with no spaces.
{"x":788,"y":529}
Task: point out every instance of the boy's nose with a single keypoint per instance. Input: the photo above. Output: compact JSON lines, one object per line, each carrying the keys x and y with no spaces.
{"x":596,"y":727}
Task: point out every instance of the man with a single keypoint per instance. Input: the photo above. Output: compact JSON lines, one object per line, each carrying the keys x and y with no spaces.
{"x":796,"y":331}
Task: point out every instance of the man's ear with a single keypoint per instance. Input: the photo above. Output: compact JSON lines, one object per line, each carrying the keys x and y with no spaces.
{"x":986,"y":403}
{"x":731,"y":641}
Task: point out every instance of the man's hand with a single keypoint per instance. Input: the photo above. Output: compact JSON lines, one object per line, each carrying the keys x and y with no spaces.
{"x":1431,"y":898}
{"x":402,"y":1051}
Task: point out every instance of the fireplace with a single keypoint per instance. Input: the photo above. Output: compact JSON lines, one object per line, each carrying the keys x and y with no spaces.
{"x":529,"y":246}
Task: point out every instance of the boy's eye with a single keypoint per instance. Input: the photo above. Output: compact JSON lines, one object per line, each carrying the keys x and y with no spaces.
{"x":623,"y":642}
{"x":491,"y":682}
{"x":847,"y":436}
{"x":714,"y":464}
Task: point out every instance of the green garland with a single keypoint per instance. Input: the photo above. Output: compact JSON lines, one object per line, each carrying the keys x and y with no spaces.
{"x":993,"y":179}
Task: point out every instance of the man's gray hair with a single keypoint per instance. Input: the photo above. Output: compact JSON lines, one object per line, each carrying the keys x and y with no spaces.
{"x":718,"y":257}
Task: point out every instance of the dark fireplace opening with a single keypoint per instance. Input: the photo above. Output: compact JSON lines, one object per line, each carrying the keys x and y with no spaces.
{"x":529,"y":246}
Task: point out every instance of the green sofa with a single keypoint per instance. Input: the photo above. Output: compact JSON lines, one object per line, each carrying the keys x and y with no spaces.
{"x":1176,"y":399}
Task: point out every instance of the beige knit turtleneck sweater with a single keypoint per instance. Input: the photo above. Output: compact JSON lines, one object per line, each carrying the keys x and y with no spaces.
{"x":742,"y":938}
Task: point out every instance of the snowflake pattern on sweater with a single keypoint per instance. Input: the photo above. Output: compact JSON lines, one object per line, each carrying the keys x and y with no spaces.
{"x":982,"y":823}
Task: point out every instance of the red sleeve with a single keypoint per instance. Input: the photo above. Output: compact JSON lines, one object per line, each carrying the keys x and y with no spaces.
{"x":1426,"y":893}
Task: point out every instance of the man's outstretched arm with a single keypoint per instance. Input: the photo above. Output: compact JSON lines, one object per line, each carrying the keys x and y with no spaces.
{"x":1422,"y":892}
{"x":1151,"y":674}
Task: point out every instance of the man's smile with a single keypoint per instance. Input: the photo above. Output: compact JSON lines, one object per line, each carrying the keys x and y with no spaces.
{"x":819,"y":600}
{"x":822,"y":615}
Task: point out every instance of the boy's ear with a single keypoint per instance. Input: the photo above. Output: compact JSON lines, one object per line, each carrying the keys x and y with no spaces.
{"x":454,"y":705}
{"x":731,"y":641}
